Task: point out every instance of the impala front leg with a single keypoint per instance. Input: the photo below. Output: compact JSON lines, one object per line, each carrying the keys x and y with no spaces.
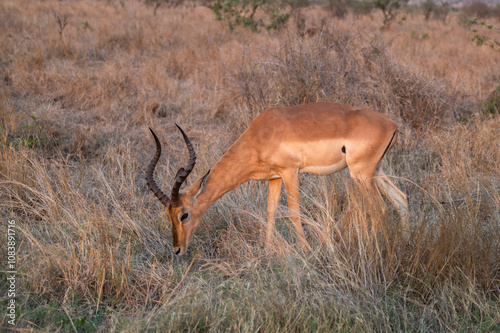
{"x":291,"y":181}
{"x":272,"y":205}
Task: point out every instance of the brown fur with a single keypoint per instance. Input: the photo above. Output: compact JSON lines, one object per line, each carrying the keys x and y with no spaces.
{"x":318,"y":138}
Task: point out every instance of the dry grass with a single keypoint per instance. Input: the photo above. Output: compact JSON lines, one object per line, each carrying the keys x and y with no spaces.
{"x":94,"y":246}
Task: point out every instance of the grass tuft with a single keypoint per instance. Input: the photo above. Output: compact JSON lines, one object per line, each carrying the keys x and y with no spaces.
{"x":94,"y":246}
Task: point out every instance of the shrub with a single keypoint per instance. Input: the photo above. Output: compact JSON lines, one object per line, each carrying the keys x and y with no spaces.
{"x":441,"y":11}
{"x":390,"y":9}
{"x":492,"y":103}
{"x":477,"y":8}
{"x":338,"y":8}
{"x":481,"y":33}
{"x":496,"y":12}
{"x":278,"y":21}
{"x":362,"y":7}
{"x":342,"y":67}
{"x":157,"y":3}
{"x":428,"y":7}
{"x":238,"y":13}
{"x":242,"y":13}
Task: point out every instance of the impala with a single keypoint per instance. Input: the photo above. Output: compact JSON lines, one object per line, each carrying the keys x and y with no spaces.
{"x":319,"y":138}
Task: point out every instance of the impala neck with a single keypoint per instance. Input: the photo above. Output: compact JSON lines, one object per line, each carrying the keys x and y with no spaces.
{"x":232,"y":170}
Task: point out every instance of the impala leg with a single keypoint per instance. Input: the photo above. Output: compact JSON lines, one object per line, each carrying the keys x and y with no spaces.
{"x":398,"y":198}
{"x":364,"y":178}
{"x":291,"y":181}
{"x":272,"y":205}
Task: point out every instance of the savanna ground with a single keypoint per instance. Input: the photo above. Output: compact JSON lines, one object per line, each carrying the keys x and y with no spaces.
{"x":94,"y":246}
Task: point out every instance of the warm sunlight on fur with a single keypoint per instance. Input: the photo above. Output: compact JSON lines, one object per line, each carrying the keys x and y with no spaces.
{"x":318,"y":138}
{"x":81,"y":83}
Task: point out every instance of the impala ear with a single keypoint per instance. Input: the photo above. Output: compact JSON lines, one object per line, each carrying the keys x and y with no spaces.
{"x":198,"y":186}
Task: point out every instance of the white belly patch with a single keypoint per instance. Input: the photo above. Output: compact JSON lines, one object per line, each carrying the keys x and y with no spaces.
{"x":324,"y":170}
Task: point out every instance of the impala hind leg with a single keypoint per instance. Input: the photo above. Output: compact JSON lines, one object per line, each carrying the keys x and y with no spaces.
{"x":363,"y":176}
{"x":272,"y":205}
{"x":398,"y":198}
{"x":291,"y":181}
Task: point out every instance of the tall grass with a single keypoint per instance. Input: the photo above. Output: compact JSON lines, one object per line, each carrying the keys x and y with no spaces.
{"x":94,"y":248}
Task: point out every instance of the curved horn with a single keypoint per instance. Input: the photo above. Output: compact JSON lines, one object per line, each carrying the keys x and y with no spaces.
{"x":149,"y":174}
{"x":183,"y":173}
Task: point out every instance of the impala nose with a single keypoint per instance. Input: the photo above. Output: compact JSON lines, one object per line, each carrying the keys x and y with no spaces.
{"x":177,"y":250}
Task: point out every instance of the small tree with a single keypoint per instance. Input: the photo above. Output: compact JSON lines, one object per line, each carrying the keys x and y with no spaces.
{"x":339,"y":8}
{"x":492,"y":103}
{"x":238,"y":12}
{"x":481,"y":31}
{"x":477,"y":8}
{"x":361,"y":7}
{"x":62,"y":22}
{"x":390,"y":9}
{"x":441,"y":12}
{"x":157,"y":3}
{"x":428,"y":7}
{"x":242,"y":13}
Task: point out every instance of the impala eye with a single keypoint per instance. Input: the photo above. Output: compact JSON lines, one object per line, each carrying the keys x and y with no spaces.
{"x":184,"y":216}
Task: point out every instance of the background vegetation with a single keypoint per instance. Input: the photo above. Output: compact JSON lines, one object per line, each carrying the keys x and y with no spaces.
{"x":81,"y":81}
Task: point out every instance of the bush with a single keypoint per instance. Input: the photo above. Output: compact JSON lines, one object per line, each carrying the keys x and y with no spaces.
{"x":441,"y":11}
{"x":477,"y":8}
{"x":242,"y":13}
{"x":344,"y":68}
{"x":338,"y":8}
{"x":157,"y":3}
{"x":238,"y":13}
{"x":428,"y":7}
{"x":481,"y":36}
{"x":492,"y":103}
{"x":389,"y":8}
{"x":496,"y":12}
{"x":362,"y":7}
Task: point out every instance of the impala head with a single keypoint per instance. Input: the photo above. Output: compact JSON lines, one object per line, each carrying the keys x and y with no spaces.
{"x":179,"y":205}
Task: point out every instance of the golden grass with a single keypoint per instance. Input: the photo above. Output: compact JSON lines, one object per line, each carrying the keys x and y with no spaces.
{"x":95,"y":247}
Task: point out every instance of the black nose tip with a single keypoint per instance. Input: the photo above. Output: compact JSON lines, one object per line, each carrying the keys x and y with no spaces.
{"x":178,"y":251}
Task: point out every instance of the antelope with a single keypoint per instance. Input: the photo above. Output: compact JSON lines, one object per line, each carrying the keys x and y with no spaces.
{"x":319,"y":138}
